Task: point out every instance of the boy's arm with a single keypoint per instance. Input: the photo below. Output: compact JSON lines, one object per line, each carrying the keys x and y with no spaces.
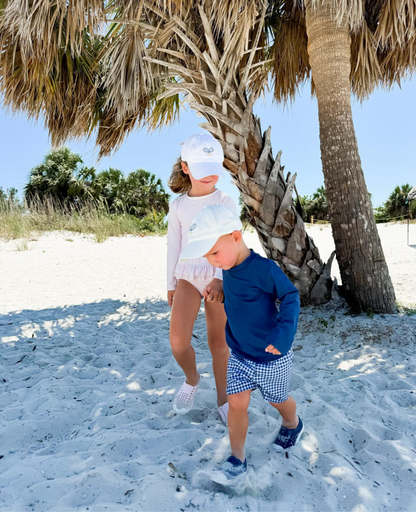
{"x":280,"y":287}
{"x":213,"y":292}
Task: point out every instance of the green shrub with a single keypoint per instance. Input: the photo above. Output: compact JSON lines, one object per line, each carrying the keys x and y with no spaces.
{"x":62,"y":179}
{"x":316,"y":206}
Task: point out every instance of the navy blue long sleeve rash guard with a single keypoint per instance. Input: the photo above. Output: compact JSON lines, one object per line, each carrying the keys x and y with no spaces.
{"x":253,"y":322}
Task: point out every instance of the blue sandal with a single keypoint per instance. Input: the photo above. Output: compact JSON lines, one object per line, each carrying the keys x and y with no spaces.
{"x":288,"y":437}
{"x":230,"y":471}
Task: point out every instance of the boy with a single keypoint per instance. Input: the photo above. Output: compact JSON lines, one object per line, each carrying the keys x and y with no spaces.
{"x":260,"y":337}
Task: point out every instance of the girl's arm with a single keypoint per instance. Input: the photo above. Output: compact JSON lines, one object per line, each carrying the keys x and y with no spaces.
{"x":229,"y":202}
{"x":174,"y":244}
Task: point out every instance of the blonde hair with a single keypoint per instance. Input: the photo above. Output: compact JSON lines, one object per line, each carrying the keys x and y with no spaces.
{"x":179,"y":182}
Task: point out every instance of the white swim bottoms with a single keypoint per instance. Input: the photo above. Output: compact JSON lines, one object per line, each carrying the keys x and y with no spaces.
{"x":199,"y":284}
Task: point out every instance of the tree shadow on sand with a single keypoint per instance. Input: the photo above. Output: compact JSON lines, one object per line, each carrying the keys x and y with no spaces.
{"x":87,"y":418}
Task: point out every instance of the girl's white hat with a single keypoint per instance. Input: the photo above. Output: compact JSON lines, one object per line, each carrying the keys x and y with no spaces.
{"x":204,"y":155}
{"x":211,"y":223}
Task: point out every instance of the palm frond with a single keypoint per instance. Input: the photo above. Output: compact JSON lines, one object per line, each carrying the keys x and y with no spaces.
{"x":351,"y":10}
{"x":366,"y":72}
{"x":396,"y":24}
{"x":3,"y":5}
{"x":163,"y":111}
{"x":397,"y":63}
{"x":39,"y":24}
{"x":129,"y":76}
{"x":62,"y":92}
{"x":291,"y":61}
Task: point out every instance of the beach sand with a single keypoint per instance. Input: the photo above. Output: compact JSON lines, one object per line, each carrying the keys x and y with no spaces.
{"x":87,"y":382}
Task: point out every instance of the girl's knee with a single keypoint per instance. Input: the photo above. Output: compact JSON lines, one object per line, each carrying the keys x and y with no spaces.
{"x":218,"y":347}
{"x":178,"y":344}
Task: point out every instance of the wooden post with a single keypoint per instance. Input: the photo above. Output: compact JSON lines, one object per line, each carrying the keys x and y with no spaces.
{"x":408,"y":221}
{"x":311,"y":219}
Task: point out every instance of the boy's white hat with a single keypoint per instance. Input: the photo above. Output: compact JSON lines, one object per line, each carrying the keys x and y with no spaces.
{"x":204,"y":155}
{"x":210,"y":223}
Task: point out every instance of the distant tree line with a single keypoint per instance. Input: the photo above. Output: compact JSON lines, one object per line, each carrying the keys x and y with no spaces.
{"x":315,"y":206}
{"x":396,"y":207}
{"x":63,"y":179}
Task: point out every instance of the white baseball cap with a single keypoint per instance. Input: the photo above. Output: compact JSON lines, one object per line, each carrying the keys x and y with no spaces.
{"x":204,"y":155}
{"x":211,"y":223}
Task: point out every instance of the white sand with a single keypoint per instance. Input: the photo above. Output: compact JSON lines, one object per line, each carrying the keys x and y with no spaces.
{"x":87,"y":380}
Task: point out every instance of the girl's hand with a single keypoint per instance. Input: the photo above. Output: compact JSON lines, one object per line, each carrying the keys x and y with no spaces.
{"x":214,"y":292}
{"x":273,"y":350}
{"x":171,"y":294}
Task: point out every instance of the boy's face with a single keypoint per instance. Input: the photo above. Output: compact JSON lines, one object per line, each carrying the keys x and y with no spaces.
{"x":225,"y":252}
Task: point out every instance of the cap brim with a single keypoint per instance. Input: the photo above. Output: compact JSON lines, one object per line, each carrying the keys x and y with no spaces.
{"x":198,"y":248}
{"x":201,"y":170}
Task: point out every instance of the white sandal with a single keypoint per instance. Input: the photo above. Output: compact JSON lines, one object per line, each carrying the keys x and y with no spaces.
{"x":223,"y":412}
{"x":184,"y":398}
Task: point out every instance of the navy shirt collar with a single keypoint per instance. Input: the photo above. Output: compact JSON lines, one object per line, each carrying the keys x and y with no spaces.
{"x":244,"y":263}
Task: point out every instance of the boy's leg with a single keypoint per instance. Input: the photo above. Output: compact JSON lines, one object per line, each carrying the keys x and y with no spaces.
{"x":238,"y":422}
{"x":216,"y":320}
{"x":292,"y":425}
{"x":287,"y":410}
{"x":185,"y":308}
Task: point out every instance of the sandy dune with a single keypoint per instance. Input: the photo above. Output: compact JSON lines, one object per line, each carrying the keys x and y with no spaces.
{"x":87,"y":381}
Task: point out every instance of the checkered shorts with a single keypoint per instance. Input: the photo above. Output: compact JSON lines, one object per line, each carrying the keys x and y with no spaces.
{"x":271,"y":377}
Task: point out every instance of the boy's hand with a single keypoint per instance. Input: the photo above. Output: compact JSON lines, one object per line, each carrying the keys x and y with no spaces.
{"x":171,"y":294}
{"x":273,"y":350}
{"x":213,"y":292}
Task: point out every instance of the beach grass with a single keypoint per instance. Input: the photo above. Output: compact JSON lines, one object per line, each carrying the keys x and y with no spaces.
{"x":25,"y":223}
{"x":407,"y":309}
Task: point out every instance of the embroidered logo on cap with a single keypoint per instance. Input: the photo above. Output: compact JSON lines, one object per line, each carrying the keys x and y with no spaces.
{"x":209,"y":150}
{"x":192,"y":227}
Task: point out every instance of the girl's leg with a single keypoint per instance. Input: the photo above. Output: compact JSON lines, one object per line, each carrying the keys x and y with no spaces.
{"x":238,"y":422}
{"x":216,"y":320}
{"x":186,"y":304}
{"x":287,"y":410}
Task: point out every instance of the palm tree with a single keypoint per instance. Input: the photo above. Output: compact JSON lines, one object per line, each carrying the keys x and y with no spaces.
{"x":59,"y":178}
{"x":397,"y":203}
{"x":347,"y":47}
{"x":218,"y":53}
{"x":152,"y":52}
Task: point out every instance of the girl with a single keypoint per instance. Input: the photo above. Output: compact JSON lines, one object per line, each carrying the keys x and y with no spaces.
{"x":195,"y":176}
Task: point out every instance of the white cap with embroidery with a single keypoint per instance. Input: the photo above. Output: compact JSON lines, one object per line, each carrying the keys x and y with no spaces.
{"x":204,"y":155}
{"x":208,"y":226}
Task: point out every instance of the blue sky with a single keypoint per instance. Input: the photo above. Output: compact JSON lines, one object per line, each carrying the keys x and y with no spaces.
{"x":385,"y":128}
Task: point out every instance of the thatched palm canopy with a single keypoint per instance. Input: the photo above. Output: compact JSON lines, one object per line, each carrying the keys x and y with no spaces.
{"x":87,"y":64}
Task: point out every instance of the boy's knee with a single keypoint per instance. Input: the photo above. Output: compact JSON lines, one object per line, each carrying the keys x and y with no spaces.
{"x":238,"y":401}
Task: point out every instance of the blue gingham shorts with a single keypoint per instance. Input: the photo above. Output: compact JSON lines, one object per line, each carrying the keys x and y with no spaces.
{"x":271,"y":377}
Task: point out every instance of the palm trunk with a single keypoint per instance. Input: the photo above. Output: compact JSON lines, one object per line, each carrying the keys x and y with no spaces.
{"x":215,"y":87}
{"x":364,"y":273}
{"x":268,"y":196}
